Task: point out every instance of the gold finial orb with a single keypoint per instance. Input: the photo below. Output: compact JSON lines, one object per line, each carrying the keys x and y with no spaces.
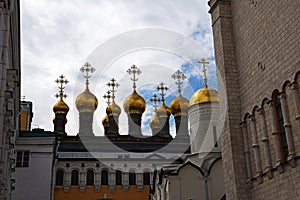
{"x":134,"y":104}
{"x":204,"y":95}
{"x":179,"y":106}
{"x":86,"y":102}
{"x":113,"y":109}
{"x":61,"y":107}
{"x":154,"y":122}
{"x":105,"y":121}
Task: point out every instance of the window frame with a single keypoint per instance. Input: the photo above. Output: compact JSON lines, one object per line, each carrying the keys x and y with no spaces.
{"x":23,"y":159}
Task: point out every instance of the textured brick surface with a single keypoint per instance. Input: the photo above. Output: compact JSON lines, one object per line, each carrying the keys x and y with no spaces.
{"x":257,"y":52}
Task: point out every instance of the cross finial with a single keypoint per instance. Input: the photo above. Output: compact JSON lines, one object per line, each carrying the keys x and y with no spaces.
{"x":108,"y":97}
{"x":61,"y":82}
{"x":23,"y":98}
{"x":134,"y":71}
{"x":113,"y":85}
{"x":155,"y":100}
{"x":87,"y":70}
{"x":161,"y":87}
{"x":204,"y":63}
{"x":178,"y":76}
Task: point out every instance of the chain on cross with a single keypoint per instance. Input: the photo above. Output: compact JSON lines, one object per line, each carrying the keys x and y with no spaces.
{"x":204,"y":63}
{"x":113,"y":85}
{"x":87,"y":70}
{"x":134,"y":71}
{"x":161,"y":87}
{"x":155,"y":100}
{"x":107,"y":96}
{"x":178,"y":76}
{"x":61,"y":82}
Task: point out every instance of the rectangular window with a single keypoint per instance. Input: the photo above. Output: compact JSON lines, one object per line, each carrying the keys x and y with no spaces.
{"x":22,"y":159}
{"x":215,"y":136}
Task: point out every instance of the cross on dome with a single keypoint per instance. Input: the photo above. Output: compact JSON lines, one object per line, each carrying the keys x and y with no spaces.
{"x":161,"y":87}
{"x":133,"y":70}
{"x":108,"y":97}
{"x":87,"y":70}
{"x":61,"y":82}
{"x":154,"y":100}
{"x":178,"y":76}
{"x":204,"y":63}
{"x":113,"y":85}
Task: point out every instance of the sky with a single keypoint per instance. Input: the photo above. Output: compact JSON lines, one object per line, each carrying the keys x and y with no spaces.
{"x":159,"y":37}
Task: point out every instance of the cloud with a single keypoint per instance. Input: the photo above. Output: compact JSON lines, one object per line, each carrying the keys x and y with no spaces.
{"x":58,"y":36}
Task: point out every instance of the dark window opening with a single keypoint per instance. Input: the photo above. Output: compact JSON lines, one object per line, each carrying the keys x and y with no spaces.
{"x":118,"y":177}
{"x":215,"y":136}
{"x":90,"y":177}
{"x":104,"y":177}
{"x":146,"y":178}
{"x":132,"y":178}
{"x":75,"y":178}
{"x":59,"y":181}
{"x":280,"y":127}
{"x":22,"y":159}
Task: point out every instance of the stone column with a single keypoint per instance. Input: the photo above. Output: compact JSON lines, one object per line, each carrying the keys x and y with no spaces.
{"x":265,"y":140}
{"x":246,"y":150}
{"x":97,"y":181}
{"x":295,"y":89}
{"x":255,"y":146}
{"x":287,"y":126}
{"x":275,"y":133}
{"x":82,"y":181}
{"x":111,"y":181}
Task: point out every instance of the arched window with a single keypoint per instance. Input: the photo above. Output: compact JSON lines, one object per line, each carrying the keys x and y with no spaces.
{"x":146,"y":178}
{"x":280,"y":126}
{"x":104,"y":177}
{"x":59,"y":181}
{"x":132,"y":179}
{"x":90,"y":177}
{"x":74,"y":177}
{"x":118,"y":177}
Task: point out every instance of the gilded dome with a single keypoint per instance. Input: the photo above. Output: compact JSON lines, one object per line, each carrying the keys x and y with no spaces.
{"x":105,"y":121}
{"x":204,"y":95}
{"x":113,"y":109}
{"x":154,"y":122}
{"x":86,"y":102}
{"x":134,"y":104}
{"x":179,"y":106}
{"x":163,"y":111}
{"x":61,"y":107}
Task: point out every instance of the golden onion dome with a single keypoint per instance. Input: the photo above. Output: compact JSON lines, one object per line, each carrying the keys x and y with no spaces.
{"x":134,"y":104}
{"x":60,"y":107}
{"x":154,"y":122}
{"x":179,"y":106}
{"x":105,"y":121}
{"x":204,"y":95}
{"x":163,"y":111}
{"x":113,"y":109}
{"x":86,"y":102}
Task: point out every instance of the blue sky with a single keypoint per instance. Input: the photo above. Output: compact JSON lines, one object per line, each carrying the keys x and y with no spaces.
{"x":59,"y":36}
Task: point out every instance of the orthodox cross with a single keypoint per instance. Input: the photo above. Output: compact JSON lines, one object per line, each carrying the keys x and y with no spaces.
{"x":87,"y":70}
{"x":155,"y":100}
{"x":204,"y":63}
{"x":108,"y":97}
{"x":161,"y":87}
{"x":134,"y":71}
{"x":23,"y":98}
{"x":178,"y":76}
{"x":113,"y":85}
{"x":61,"y":82}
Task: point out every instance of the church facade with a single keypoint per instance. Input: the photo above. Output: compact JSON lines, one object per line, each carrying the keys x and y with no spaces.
{"x":257,"y":57}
